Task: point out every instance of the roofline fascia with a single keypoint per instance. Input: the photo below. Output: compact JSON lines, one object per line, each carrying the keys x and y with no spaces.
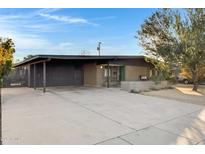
{"x":27,"y":60}
{"x":80,"y":57}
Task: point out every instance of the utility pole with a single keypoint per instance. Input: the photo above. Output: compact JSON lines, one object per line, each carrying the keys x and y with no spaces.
{"x":98,"y":48}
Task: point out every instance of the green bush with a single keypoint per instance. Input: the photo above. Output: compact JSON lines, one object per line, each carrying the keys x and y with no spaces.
{"x":135,"y":91}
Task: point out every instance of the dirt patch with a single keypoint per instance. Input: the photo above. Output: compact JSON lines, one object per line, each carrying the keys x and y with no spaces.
{"x":181,"y":93}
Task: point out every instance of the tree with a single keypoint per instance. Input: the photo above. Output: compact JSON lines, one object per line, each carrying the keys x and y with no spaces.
{"x":176,"y":37}
{"x":28,"y":57}
{"x":6,"y":58}
{"x":187,"y":73}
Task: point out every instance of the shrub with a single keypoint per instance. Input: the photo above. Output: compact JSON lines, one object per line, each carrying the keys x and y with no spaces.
{"x":135,"y":91}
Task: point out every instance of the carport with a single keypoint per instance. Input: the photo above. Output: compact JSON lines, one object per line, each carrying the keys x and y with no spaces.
{"x":54,"y":72}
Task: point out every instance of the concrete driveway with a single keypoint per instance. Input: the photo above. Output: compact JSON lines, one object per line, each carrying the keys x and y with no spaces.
{"x":70,"y":115}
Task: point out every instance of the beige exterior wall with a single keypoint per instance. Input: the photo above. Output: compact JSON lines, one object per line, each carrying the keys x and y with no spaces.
{"x":99,"y":79}
{"x":132,"y":73}
{"x":90,"y":74}
{"x":93,"y":75}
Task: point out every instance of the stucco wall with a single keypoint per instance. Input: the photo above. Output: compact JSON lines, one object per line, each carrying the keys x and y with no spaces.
{"x":93,"y":75}
{"x":132,"y":73}
{"x":138,"y":86}
{"x":90,"y":74}
{"x":99,"y":79}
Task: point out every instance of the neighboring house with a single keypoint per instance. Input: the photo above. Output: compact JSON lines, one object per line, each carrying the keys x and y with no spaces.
{"x":99,"y":71}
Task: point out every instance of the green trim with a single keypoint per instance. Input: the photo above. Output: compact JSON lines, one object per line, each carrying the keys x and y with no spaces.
{"x":122,"y":73}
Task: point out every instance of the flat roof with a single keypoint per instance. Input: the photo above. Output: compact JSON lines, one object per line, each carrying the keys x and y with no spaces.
{"x":76,"y":57}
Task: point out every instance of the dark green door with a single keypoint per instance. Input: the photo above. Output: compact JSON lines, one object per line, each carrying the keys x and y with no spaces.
{"x":122,"y":73}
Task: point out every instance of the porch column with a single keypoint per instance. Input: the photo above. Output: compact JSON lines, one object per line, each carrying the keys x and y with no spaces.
{"x":34,"y":76}
{"x":29,"y":75}
{"x":44,"y":76}
{"x":108,"y":75}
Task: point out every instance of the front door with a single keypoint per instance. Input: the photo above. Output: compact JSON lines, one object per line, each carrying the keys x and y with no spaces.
{"x":114,"y":76}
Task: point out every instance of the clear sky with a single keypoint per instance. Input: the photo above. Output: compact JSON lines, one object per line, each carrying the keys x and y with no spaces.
{"x":72,"y":31}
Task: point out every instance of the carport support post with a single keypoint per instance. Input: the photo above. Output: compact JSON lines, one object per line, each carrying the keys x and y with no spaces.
{"x":34,"y":76}
{"x":29,"y":75}
{"x":108,"y":75}
{"x":44,"y":76}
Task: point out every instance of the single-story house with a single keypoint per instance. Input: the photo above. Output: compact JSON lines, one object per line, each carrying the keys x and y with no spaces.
{"x":71,"y":70}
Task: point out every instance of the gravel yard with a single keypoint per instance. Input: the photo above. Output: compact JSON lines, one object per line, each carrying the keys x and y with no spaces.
{"x":181,"y":93}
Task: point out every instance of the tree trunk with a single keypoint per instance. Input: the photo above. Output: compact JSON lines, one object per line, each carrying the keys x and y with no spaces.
{"x":195,"y":86}
{"x":195,"y":79}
